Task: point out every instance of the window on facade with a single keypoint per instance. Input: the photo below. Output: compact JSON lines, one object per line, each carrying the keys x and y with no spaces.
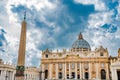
{"x":73,"y":65}
{"x":78,"y":65}
{"x":101,"y":54}
{"x":46,"y":55}
{"x":46,"y":66}
{"x":102,"y":65}
{"x":86,"y":65}
{"x":73,"y":75}
{"x":103,"y":74}
{"x":60,"y":75}
{"x":60,"y":66}
{"x":67,"y":65}
{"x":78,"y":76}
{"x":67,"y":76}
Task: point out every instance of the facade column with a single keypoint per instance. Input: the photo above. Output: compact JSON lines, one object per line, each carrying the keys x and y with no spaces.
{"x":62,"y":70}
{"x":83,"y":74}
{"x":50,"y":71}
{"x":75,"y":70}
{"x":107,"y":71}
{"x":65,"y":71}
{"x":115,"y":70}
{"x":4,"y":75}
{"x":1,"y":76}
{"x":42,"y":74}
{"x":9,"y":73}
{"x":114,"y":74}
{"x":13,"y":75}
{"x":112,"y":71}
{"x":56,"y":70}
{"x":89,"y":70}
{"x":69,"y":71}
{"x":97,"y":71}
{"x":80,"y":71}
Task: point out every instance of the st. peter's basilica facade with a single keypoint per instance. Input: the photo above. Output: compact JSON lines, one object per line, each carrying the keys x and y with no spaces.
{"x":79,"y":63}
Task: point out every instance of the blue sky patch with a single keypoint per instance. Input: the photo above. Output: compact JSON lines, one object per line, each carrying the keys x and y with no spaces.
{"x":109,"y":28}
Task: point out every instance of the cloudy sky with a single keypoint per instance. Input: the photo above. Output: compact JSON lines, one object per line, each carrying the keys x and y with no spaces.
{"x":55,"y":24}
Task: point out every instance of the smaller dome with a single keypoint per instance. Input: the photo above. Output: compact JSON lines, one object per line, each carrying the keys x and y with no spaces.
{"x":81,"y":43}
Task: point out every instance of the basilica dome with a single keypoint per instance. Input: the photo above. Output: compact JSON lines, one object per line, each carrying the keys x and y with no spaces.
{"x":80,"y":43}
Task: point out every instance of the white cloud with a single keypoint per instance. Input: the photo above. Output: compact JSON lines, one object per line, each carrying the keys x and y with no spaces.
{"x":118,"y":9}
{"x":100,"y":18}
{"x":35,"y":36}
{"x":11,"y":24}
{"x":37,"y":4}
{"x":95,"y":34}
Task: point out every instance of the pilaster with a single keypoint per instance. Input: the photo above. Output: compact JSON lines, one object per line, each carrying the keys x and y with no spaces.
{"x":65,"y":71}
{"x":97,"y":77}
{"x":76,"y":71}
{"x":57,"y":71}
{"x":69,"y":71}
{"x":89,"y":70}
{"x":80,"y":70}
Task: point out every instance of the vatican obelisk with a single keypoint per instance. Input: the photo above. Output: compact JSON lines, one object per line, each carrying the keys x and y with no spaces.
{"x":21,"y":54}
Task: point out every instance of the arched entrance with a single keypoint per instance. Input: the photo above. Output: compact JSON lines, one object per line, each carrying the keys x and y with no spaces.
{"x":60,"y":75}
{"x":73,"y":75}
{"x":103,"y":74}
{"x":86,"y":75}
{"x":46,"y":74}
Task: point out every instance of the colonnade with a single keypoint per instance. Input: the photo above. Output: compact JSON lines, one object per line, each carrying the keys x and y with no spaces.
{"x":7,"y":75}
